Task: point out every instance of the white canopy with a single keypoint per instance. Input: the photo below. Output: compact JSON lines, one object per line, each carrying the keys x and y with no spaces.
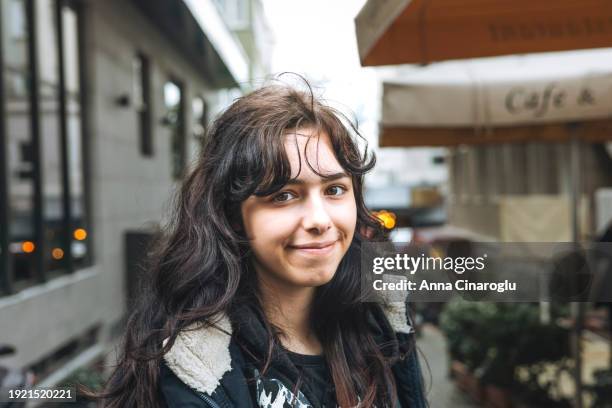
{"x":502,"y":91}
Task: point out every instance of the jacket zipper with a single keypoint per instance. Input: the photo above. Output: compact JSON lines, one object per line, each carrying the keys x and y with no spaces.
{"x":209,"y":401}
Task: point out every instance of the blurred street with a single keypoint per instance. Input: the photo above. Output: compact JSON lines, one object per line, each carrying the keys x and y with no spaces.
{"x":441,"y":391}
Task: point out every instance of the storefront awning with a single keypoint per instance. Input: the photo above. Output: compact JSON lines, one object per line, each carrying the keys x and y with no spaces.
{"x":503,"y":99}
{"x":393,"y":32}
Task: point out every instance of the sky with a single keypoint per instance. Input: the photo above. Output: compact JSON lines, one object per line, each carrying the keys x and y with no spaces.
{"x":316,"y":38}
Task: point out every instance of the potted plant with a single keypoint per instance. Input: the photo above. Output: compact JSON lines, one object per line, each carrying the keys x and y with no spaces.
{"x":462,"y":323}
{"x":492,"y":340}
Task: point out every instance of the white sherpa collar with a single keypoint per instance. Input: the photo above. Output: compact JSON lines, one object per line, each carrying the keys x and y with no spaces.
{"x":398,"y":317}
{"x":395,"y":309}
{"x":201,"y":357}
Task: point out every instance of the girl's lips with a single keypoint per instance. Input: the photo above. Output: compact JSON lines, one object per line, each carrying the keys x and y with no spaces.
{"x":315,"y":249}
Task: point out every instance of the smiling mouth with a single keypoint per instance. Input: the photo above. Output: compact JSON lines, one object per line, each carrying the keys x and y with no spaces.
{"x":315,"y":248}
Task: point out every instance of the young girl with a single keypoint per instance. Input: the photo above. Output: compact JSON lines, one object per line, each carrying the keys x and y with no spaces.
{"x":255,"y":297}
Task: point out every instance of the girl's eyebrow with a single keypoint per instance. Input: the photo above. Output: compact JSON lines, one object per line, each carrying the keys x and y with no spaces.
{"x":326,"y":177}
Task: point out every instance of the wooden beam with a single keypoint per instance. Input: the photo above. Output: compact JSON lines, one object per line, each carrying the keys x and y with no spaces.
{"x":590,"y":131}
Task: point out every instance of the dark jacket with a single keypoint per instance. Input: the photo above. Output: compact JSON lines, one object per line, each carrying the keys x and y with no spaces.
{"x":206,"y":367}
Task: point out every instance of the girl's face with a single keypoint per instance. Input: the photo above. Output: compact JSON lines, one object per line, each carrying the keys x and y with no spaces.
{"x":300,"y":233}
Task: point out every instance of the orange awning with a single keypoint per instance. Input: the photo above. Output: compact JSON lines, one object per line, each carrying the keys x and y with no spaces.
{"x":421,"y":31}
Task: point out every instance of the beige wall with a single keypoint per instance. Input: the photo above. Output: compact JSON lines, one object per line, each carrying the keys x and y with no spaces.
{"x":481,"y":177}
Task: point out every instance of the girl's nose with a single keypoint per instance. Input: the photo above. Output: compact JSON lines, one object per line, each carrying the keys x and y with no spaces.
{"x":316,"y":217}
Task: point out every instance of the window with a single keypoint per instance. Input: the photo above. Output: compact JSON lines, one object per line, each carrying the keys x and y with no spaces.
{"x":235,"y":13}
{"x":18,"y":142}
{"x":142,"y":102}
{"x":49,"y":110}
{"x":43,"y":217}
{"x":199,"y":115}
{"x":79,"y":225}
{"x":175,"y":120}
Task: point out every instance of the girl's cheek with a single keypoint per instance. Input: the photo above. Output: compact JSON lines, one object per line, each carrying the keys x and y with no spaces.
{"x":277,"y":221}
{"x":344,"y":219}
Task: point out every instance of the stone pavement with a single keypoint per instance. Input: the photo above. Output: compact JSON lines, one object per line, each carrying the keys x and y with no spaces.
{"x":441,"y":392}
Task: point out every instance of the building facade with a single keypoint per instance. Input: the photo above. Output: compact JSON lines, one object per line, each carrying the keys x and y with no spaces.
{"x":104,"y":105}
{"x":247,"y":20}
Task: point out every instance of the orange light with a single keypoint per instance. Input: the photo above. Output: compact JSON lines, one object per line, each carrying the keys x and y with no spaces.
{"x":28,"y":247}
{"x":386,"y":218}
{"x":57,"y":253}
{"x":80,"y":234}
{"x":389,"y":222}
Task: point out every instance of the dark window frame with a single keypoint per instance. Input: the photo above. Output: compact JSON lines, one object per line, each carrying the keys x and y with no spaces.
{"x":7,"y":284}
{"x":6,"y":278}
{"x":145,"y":110}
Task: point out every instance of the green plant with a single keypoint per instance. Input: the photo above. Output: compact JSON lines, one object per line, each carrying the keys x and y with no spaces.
{"x":462,"y":323}
{"x":494,"y":339}
{"x":602,"y":389}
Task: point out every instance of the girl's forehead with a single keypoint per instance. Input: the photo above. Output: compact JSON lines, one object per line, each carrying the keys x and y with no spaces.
{"x":306,"y":148}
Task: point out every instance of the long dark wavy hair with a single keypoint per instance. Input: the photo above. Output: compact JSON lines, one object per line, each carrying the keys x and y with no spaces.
{"x":200,"y":270}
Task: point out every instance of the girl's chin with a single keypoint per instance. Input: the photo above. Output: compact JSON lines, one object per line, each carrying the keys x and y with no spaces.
{"x":314,"y":278}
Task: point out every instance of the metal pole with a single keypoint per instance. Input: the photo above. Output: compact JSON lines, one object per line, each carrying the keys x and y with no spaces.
{"x":577,"y":308}
{"x":66,"y":237}
{"x":6,"y":265}
{"x":37,"y":144}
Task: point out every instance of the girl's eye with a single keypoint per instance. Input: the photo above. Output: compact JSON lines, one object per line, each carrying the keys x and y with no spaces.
{"x":283,"y":197}
{"x":336,"y":190}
